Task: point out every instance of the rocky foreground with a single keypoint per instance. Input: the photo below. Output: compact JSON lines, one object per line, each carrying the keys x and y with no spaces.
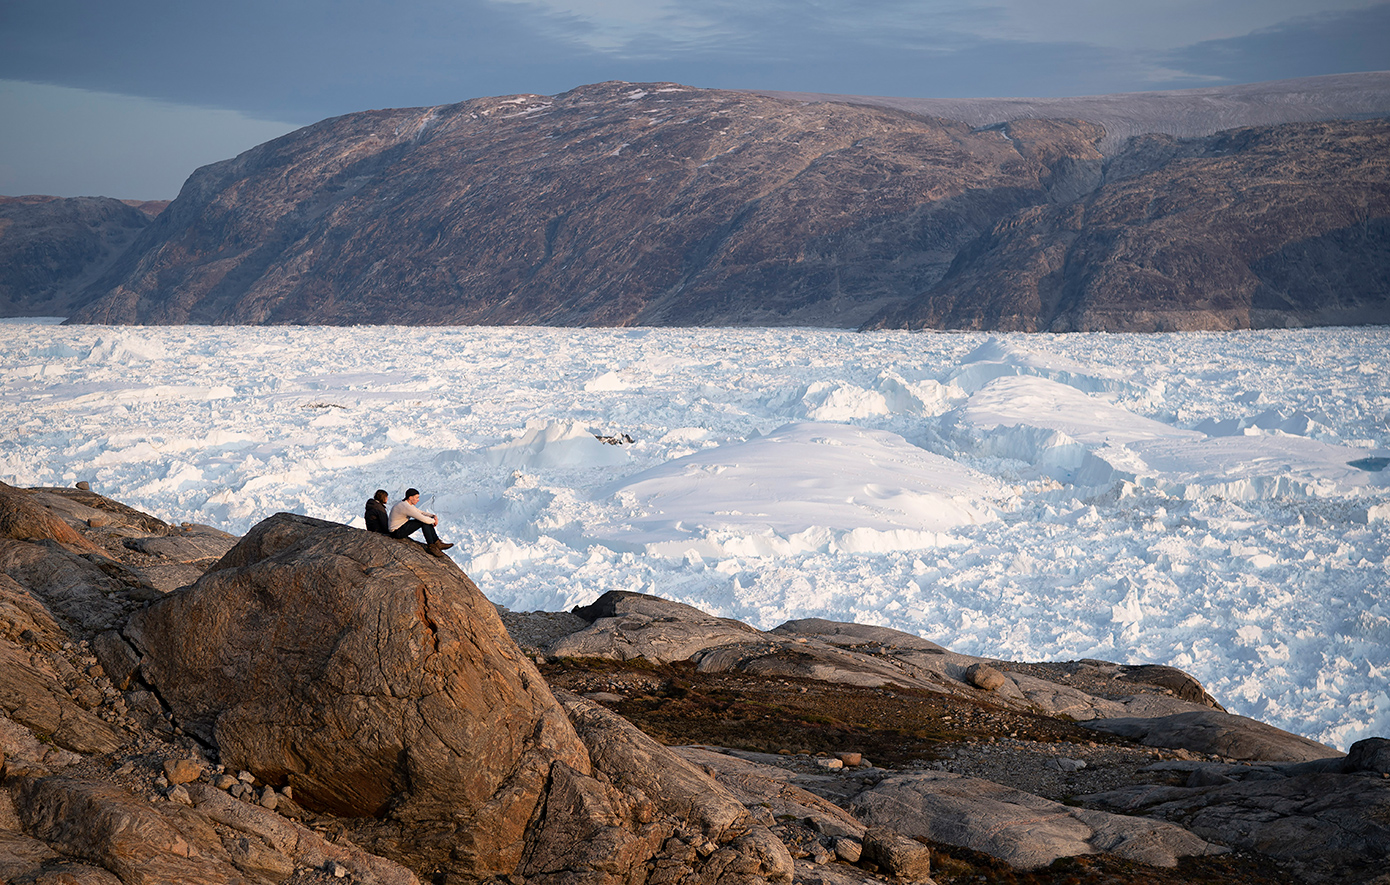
{"x":314,"y":703}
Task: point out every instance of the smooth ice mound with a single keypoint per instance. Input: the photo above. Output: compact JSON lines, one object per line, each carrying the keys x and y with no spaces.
{"x":1057,"y":429}
{"x":1076,"y":437}
{"x":803,"y":487}
{"x":1050,"y":405}
{"x":562,"y":444}
{"x":996,"y":358}
{"x":1247,"y":468}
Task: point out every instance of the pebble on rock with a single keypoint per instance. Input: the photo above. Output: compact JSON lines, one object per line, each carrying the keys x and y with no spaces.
{"x":182,"y":771}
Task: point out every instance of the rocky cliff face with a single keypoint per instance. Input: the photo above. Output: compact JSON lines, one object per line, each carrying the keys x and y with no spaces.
{"x":659,"y":204}
{"x":1273,"y":226}
{"x":608,"y":205}
{"x":51,"y":248}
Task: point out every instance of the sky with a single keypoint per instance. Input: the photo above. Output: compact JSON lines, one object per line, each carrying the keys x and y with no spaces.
{"x":127,"y":99}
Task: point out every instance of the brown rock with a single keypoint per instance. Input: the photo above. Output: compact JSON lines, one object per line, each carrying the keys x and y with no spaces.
{"x":897,"y":855}
{"x":117,"y":658}
{"x":268,"y":835}
{"x":651,"y":808}
{"x":109,"y":826}
{"x":984,"y":677}
{"x":372,"y":677}
{"x":74,"y":588}
{"x":21,"y":613}
{"x":183,"y":771}
{"x":37,"y":699}
{"x":23,"y":520}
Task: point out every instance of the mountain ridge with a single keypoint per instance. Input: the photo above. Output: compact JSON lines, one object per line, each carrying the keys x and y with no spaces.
{"x":659,"y":204}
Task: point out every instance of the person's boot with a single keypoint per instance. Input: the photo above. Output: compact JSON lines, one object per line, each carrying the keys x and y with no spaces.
{"x":443,"y":546}
{"x":434,"y":550}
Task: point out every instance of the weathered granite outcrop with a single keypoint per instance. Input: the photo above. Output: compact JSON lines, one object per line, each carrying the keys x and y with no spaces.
{"x":372,"y":678}
{"x":626,"y":625}
{"x":1328,"y":819}
{"x":320,"y":680}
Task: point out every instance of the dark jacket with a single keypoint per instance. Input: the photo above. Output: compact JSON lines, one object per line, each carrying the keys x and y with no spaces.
{"x":377,"y":520}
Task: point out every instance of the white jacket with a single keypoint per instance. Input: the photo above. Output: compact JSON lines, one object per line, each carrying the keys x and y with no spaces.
{"x":404,"y":511}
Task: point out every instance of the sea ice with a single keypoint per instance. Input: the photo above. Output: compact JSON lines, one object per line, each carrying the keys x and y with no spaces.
{"x":1214,"y":501}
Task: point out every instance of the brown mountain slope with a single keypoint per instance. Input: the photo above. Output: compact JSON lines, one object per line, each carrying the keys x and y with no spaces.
{"x":612,"y":204}
{"x":1184,"y":113}
{"x":657,"y":204}
{"x":1271,"y":226}
{"x":51,"y":247}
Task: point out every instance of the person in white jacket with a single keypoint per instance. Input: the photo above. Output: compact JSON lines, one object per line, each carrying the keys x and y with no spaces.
{"x":407,"y":519}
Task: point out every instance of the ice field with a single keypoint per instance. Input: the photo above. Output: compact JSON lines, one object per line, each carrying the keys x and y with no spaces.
{"x":1217,"y":502}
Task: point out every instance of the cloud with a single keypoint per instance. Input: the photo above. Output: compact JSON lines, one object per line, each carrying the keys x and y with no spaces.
{"x":302,"y":60}
{"x":315,"y":58}
{"x":1327,"y":43}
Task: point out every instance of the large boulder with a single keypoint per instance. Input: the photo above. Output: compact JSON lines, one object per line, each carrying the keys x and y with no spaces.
{"x":373,"y":678}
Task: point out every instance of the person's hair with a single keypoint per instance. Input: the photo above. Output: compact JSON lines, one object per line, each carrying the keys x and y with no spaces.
{"x":409,"y":492}
{"x":381,"y":496}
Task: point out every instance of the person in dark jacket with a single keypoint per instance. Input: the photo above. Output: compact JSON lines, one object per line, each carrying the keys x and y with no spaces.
{"x":376,"y":516}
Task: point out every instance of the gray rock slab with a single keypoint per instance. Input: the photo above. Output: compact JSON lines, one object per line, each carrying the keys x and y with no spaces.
{"x":763,"y":786}
{"x":197,"y":543}
{"x":850,"y":635}
{"x":1212,"y":731}
{"x":625,"y":626}
{"x":810,"y":873}
{"x":658,"y":640}
{"x":737,"y":761}
{"x":1329,"y":827}
{"x":69,"y":585}
{"x":1023,"y":830}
